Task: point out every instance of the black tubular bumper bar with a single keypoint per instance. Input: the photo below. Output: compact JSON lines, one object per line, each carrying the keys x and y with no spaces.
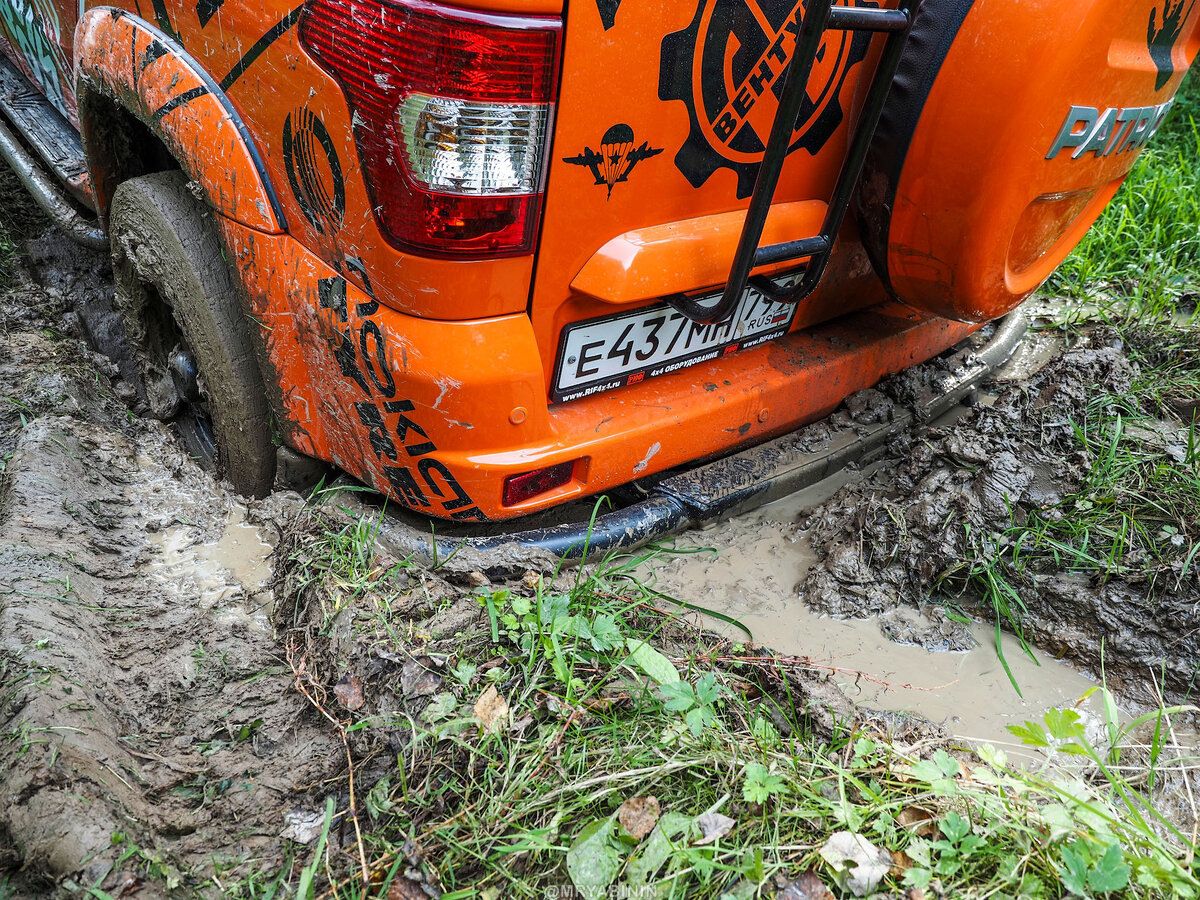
{"x":820,"y":16}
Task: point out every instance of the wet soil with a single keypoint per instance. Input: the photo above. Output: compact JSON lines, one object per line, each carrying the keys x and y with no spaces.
{"x":144,"y":704}
{"x":910,"y":535}
{"x":868,"y":572}
{"x":154,"y":625}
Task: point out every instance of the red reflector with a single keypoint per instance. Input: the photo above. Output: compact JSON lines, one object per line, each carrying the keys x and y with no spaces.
{"x":519,"y":488}
{"x":451,"y":112}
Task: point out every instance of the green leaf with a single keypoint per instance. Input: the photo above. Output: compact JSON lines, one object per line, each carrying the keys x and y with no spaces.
{"x":918,"y":877}
{"x":593,"y":862}
{"x":1031,"y":734}
{"x":679,"y":696}
{"x":760,"y":784}
{"x":522,"y":605}
{"x":696,"y":719}
{"x":1111,"y":873}
{"x":1063,"y":724}
{"x":656,"y":849}
{"x":947,"y":763}
{"x":650,"y":661}
{"x":707,"y":689}
{"x":442,"y":706}
{"x":955,"y":827}
{"x":606,"y":634}
{"x":1073,"y":871}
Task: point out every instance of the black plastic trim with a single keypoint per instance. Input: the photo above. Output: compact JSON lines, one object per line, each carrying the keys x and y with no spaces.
{"x":934,"y":28}
{"x":178,"y":49}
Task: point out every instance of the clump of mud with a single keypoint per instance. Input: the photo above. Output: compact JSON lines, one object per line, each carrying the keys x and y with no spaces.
{"x":926,"y":530}
{"x":147,"y":720}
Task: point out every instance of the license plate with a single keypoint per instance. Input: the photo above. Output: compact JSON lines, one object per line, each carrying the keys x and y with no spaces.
{"x":627,"y":348}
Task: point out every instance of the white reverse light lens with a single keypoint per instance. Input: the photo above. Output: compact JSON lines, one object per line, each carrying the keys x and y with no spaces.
{"x":472,"y":148}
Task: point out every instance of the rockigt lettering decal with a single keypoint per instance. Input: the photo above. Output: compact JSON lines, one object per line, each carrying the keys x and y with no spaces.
{"x":416,"y":478}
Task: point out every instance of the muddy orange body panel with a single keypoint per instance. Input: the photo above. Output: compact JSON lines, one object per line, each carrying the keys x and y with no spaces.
{"x":440,"y":376}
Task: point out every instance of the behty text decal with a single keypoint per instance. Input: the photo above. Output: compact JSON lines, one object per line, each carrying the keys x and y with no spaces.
{"x":728,"y":66}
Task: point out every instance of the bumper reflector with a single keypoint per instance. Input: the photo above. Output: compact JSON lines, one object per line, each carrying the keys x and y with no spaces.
{"x":527,"y":485}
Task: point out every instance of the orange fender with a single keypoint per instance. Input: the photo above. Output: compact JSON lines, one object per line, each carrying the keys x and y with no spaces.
{"x":135,"y":65}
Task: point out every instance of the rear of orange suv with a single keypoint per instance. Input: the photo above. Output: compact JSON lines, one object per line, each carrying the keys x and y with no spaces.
{"x":496,"y":255}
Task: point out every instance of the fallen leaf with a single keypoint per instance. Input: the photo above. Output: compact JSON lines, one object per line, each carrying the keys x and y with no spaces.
{"x":713,"y":826}
{"x":417,"y":680}
{"x":901,"y":863}
{"x":491,"y":710}
{"x":302,"y":825}
{"x":858,"y":865}
{"x":917,"y":820}
{"x":639,"y":815}
{"x":808,"y":886}
{"x":349,"y":692}
{"x":592,"y":861}
{"x":403,"y":889}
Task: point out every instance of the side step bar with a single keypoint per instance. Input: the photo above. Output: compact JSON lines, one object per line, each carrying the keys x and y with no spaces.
{"x":715,"y":490}
{"x":56,"y":161}
{"x":819,"y":16}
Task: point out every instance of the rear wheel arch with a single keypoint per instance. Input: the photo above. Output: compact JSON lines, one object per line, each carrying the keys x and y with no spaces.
{"x":145,"y":104}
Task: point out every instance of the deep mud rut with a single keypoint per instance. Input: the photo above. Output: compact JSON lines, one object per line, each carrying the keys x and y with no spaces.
{"x":863,"y":573}
{"x":148,"y":717}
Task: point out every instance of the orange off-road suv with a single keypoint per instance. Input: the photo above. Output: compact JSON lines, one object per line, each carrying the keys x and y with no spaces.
{"x":491,"y":255}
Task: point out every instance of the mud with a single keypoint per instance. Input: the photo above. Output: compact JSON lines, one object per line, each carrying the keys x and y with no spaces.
{"x":152,"y":622}
{"x":912,"y":534}
{"x":148,"y":720}
{"x":919,"y":662}
{"x":868,"y":573}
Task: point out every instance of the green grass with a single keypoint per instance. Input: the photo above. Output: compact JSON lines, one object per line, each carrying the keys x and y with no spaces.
{"x":1137,"y":514}
{"x":567,"y":702}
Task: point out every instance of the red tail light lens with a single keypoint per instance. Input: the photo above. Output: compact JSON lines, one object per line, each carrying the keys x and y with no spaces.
{"x":451,"y":112}
{"x":519,"y":488}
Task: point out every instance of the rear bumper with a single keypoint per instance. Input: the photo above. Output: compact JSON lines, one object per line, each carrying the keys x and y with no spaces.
{"x":733,"y":484}
{"x":437,"y":414}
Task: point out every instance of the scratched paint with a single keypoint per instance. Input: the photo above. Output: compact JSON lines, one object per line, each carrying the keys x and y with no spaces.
{"x":428,"y":377}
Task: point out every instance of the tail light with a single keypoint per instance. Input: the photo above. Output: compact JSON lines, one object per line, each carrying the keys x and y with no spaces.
{"x":451,"y":112}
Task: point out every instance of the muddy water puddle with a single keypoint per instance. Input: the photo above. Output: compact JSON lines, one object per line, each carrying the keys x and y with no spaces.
{"x":748,"y":568}
{"x":754,"y":581}
{"x":230,"y":576}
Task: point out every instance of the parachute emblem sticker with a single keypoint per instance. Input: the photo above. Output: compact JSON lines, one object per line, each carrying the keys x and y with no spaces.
{"x":616,"y":158}
{"x":728,"y":67}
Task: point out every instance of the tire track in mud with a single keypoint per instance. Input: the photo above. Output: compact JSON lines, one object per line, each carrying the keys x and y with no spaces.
{"x":136,"y":703}
{"x":144,"y":702}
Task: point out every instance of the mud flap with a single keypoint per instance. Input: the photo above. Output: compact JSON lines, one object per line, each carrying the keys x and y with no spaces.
{"x":733,"y":484}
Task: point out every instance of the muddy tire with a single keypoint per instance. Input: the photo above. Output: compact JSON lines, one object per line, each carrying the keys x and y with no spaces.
{"x":193,"y":349}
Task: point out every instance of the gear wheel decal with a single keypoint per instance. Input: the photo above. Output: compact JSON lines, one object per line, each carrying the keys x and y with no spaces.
{"x":728,"y":67}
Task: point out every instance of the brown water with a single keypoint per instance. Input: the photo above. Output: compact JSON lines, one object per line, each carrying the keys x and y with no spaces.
{"x":230,"y":576}
{"x":749,"y":567}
